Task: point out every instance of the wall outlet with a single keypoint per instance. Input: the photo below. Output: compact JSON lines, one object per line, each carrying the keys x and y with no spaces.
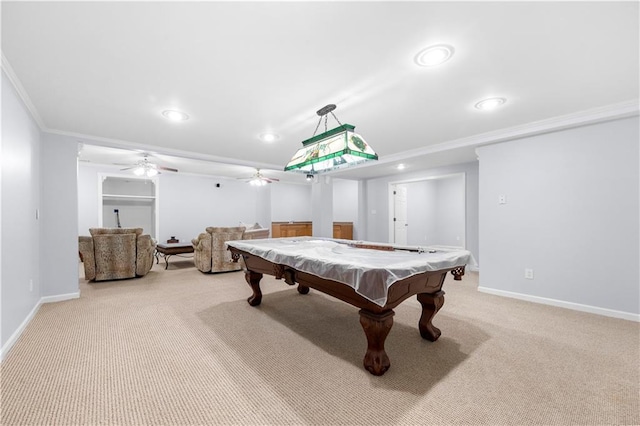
{"x":30,"y":285}
{"x":528,"y":273}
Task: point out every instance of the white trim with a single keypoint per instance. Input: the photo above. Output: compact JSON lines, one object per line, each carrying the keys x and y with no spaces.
{"x":562,"y":304}
{"x":577,"y":119}
{"x":60,"y":297}
{"x":22,"y":93}
{"x":16,"y":335}
{"x":133,"y":146}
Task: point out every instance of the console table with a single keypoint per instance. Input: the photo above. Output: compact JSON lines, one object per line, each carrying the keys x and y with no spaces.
{"x":341,"y":230}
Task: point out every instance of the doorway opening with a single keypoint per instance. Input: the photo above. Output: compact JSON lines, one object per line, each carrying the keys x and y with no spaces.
{"x":428,"y":212}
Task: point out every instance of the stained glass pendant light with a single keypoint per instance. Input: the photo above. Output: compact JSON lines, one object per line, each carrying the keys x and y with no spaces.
{"x":337,"y":148}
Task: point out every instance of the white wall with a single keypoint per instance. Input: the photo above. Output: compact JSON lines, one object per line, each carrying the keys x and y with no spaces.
{"x":20,"y":236}
{"x":322,"y":207}
{"x":88,"y":197}
{"x":187,"y":204}
{"x":290,"y":202}
{"x":132,"y":212}
{"x":571,"y":215}
{"x":377,"y":199}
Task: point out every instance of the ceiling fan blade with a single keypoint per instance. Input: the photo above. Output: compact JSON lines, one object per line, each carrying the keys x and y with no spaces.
{"x":168,"y":169}
{"x":128,"y":168}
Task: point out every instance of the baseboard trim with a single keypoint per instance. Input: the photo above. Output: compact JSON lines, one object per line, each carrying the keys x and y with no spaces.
{"x":60,"y":297}
{"x":562,"y":304}
{"x":16,"y":335}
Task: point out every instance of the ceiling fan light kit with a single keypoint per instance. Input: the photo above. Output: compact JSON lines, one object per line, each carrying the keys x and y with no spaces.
{"x":145,"y":168}
{"x":258,"y":179}
{"x":337,"y":148}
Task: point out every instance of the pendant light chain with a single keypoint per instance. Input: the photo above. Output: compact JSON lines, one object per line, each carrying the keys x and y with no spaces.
{"x":316,"y":130}
{"x":323,"y":112}
{"x":334,"y":116}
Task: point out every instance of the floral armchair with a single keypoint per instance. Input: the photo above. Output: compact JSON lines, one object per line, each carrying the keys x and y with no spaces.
{"x":210,"y":252}
{"x":254,"y":232}
{"x":116,"y":253}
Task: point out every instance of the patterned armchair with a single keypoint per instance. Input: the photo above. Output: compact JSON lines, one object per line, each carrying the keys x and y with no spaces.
{"x":116,"y":253}
{"x":210,"y":252}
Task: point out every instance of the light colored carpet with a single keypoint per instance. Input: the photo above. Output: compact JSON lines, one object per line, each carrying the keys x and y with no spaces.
{"x":181,"y":347}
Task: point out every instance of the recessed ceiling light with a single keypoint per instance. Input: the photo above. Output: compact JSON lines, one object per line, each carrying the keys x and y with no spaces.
{"x":400,"y":167}
{"x":490,"y":104}
{"x":268,"y":137}
{"x":434,"y":55}
{"x":174,"y":115}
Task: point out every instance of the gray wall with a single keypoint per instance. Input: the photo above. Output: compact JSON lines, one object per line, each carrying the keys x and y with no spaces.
{"x":377,"y":202}
{"x":20,"y":236}
{"x":571,"y":215}
{"x":450,"y":211}
{"x":436,"y":211}
{"x":59,"y":218}
{"x":421,"y":212}
{"x":345,"y":203}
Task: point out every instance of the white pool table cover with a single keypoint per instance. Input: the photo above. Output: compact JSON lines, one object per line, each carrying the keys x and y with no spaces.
{"x":369,"y":272}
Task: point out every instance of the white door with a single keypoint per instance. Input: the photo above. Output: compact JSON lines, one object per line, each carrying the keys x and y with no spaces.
{"x":400,"y":214}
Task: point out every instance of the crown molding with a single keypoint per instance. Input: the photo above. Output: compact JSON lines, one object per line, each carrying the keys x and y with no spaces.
{"x":15,"y":82}
{"x":581,"y":118}
{"x":132,"y":146}
{"x":578,"y":119}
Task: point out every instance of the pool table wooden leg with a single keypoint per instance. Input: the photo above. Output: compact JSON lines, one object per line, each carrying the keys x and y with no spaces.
{"x":376,"y":328}
{"x":253,"y":279}
{"x":431,"y":304}
{"x":290,"y":278}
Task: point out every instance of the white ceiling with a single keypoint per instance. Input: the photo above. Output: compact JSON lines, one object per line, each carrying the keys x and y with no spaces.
{"x":104,"y":71}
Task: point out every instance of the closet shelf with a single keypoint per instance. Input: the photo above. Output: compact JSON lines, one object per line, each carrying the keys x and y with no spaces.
{"x":128,"y":197}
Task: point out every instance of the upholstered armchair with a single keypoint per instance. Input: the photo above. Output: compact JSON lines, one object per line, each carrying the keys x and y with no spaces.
{"x":254,"y":232}
{"x":210,"y":252}
{"x":116,"y":253}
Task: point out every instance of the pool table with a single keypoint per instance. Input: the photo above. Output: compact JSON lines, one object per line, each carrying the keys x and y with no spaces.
{"x":371,"y":276}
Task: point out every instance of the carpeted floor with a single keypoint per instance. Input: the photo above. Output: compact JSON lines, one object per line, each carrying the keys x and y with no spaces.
{"x":181,"y":347}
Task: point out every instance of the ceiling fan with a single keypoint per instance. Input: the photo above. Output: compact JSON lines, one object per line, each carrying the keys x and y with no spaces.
{"x":258,"y":179}
{"x":146,"y":168}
